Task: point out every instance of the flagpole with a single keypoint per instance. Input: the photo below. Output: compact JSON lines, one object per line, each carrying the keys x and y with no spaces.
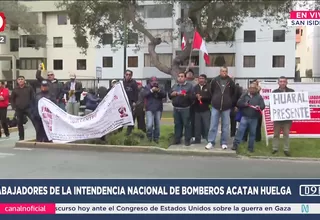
{"x":190,"y":55}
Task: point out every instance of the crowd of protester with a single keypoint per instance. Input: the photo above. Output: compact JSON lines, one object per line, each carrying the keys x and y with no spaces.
{"x":199,"y":106}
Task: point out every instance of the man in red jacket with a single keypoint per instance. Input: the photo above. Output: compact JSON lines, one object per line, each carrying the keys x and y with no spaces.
{"x":4,"y":103}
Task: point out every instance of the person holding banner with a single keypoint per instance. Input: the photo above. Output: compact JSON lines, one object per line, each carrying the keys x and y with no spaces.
{"x":252,"y":105}
{"x":44,"y":93}
{"x":285,"y":126}
{"x":55,"y":87}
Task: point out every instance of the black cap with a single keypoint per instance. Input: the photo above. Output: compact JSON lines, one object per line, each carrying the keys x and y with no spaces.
{"x":44,"y":83}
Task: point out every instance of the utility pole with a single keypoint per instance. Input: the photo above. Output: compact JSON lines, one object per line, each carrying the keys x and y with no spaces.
{"x":125,"y":43}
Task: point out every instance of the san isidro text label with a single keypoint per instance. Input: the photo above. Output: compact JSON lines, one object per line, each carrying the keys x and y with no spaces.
{"x":144,"y":190}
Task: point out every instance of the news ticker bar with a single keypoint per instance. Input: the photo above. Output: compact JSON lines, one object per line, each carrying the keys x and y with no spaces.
{"x":165,"y":208}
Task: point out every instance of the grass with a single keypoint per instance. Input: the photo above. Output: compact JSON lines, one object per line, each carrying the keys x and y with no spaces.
{"x":299,"y":147}
{"x":167,"y":115}
{"x":137,"y":138}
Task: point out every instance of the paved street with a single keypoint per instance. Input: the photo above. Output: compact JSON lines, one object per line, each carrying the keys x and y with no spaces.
{"x":41,"y":163}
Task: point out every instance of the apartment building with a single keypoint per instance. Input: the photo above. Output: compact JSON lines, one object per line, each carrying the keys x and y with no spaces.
{"x":304,"y":51}
{"x":253,"y":51}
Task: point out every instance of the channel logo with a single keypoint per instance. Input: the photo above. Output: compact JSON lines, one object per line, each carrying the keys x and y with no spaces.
{"x":309,"y":190}
{"x":2,"y":21}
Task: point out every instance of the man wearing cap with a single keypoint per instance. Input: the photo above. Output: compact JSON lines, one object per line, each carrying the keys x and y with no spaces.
{"x":44,"y":93}
{"x":154,"y":106}
{"x":22,"y":98}
{"x":55,"y":87}
{"x":73,"y":90}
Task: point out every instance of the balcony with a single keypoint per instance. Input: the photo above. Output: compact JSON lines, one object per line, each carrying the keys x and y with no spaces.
{"x":28,"y":52}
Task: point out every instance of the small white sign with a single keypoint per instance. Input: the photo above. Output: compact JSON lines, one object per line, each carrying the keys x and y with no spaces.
{"x":289,"y":106}
{"x":98,"y":72}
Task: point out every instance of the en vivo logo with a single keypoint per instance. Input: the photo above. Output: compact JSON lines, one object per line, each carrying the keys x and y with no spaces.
{"x":2,"y":21}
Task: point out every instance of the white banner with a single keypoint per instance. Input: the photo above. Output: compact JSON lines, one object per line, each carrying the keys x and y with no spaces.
{"x":112,"y":113}
{"x":289,"y":106}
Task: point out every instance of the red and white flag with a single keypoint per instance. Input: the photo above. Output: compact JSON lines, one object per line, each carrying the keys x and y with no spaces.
{"x":183,"y":42}
{"x":200,"y":44}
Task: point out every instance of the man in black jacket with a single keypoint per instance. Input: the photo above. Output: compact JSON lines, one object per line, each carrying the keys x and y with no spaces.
{"x":223,"y":99}
{"x":233,"y":113}
{"x":54,"y":86}
{"x":182,"y":97}
{"x":131,"y":87}
{"x":22,"y":98}
{"x":73,"y":90}
{"x":201,"y":108}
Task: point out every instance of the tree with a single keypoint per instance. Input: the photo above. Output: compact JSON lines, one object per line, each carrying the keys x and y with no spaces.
{"x":18,"y":14}
{"x":101,"y":16}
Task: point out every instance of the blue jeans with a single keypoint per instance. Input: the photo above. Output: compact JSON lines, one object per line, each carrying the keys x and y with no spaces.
{"x":214,"y":124}
{"x":245,"y":123}
{"x":62,"y":106}
{"x":153,"y":124}
{"x":182,"y":121}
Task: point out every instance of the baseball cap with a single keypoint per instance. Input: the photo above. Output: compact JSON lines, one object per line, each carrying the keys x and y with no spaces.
{"x":44,"y":83}
{"x":139,"y":83}
{"x":72,"y":76}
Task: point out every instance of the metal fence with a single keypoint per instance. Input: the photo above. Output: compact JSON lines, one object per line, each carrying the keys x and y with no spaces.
{"x":165,"y":83}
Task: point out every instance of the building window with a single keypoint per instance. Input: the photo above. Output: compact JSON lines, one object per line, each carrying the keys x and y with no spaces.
{"x":297,"y":60}
{"x":81,"y":64}
{"x":133,"y":61}
{"x":33,"y":41}
{"x":14,"y":45}
{"x":14,"y":27}
{"x":62,"y":19}
{"x":17,"y":64}
{"x":194,"y":59}
{"x":133,"y":38}
{"x":29,"y":63}
{"x":158,"y":11}
{"x":165,"y":59}
{"x":165,"y":35}
{"x":57,"y":64}
{"x":222,"y":59}
{"x":107,"y":39}
{"x":57,"y":42}
{"x":249,"y":61}
{"x":278,"y":61}
{"x":107,"y":62}
{"x":279,"y":36}
{"x":44,"y":18}
{"x":223,"y":35}
{"x":249,"y":36}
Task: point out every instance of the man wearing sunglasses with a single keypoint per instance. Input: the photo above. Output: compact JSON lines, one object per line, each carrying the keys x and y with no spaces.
{"x":55,"y":87}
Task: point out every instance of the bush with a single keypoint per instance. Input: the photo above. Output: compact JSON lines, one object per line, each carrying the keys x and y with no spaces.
{"x":136,"y":138}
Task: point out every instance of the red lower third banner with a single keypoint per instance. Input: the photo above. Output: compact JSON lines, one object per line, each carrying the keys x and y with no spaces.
{"x":31,"y":209}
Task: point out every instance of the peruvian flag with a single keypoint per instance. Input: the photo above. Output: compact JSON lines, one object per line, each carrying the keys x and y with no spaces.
{"x":200,"y":44}
{"x":183,"y":42}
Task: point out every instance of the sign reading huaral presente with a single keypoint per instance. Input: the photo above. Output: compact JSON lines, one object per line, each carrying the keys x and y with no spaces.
{"x":289,"y":106}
